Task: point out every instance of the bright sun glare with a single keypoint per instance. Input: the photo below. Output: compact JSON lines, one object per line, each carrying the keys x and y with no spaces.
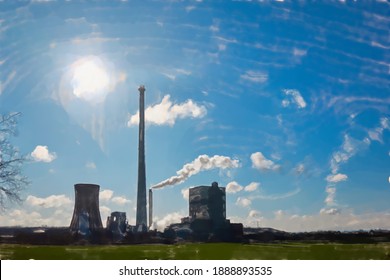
{"x":90,"y":81}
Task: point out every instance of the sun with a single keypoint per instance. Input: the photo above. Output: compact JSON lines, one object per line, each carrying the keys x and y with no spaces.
{"x":90,"y":80}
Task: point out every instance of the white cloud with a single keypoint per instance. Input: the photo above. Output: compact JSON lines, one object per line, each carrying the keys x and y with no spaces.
{"x":330,"y":211}
{"x":222,"y":47}
{"x":277,"y":196}
{"x":300,"y":168}
{"x":348,"y":149}
{"x":261,"y":163}
{"x":166,"y":113}
{"x":214,"y":28}
{"x":243,"y":202}
{"x":285,"y":103}
{"x":90,"y":165}
{"x":233,"y":187}
{"x":183,"y":71}
{"x":185,"y":193}
{"x":104,"y":212}
{"x":173,"y":73}
{"x":21,"y":218}
{"x":226,"y":40}
{"x":255,"y":76}
{"x":190,"y":8}
{"x":254,"y":214}
{"x":326,"y":219}
{"x":252,"y":187}
{"x":335,"y":178}
{"x":293,"y":96}
{"x":330,"y":198}
{"x":41,"y":153}
{"x":53,"y":201}
{"x":201,"y":163}
{"x":105,"y":195}
{"x":377,"y":133}
{"x":385,"y":123}
{"x":299,"y":52}
{"x":120,"y":200}
{"x":4,"y":85}
{"x":162,"y":223}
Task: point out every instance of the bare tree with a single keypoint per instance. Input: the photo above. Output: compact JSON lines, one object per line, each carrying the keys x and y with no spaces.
{"x":12,"y":181}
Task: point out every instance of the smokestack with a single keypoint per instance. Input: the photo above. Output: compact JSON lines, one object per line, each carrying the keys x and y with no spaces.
{"x":150,"y":208}
{"x":141,"y":190}
{"x":86,"y":214}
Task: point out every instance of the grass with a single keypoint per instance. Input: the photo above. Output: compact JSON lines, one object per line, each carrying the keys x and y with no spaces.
{"x":201,"y":251}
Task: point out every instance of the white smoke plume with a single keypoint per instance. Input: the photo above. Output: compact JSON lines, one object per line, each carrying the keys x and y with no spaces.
{"x":201,"y":163}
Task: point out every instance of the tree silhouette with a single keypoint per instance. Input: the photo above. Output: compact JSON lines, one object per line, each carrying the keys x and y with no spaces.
{"x":12,"y":181}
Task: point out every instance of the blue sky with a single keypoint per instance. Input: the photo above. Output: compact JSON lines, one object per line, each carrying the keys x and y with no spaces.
{"x":286,"y":104}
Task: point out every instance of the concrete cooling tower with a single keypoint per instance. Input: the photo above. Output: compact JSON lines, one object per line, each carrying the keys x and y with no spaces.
{"x":86,"y":214}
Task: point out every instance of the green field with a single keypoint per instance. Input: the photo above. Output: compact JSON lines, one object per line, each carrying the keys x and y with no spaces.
{"x":203,"y":251}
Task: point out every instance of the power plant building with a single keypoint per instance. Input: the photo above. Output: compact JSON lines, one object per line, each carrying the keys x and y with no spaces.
{"x":207,"y":202}
{"x":207,"y":216}
{"x":117,"y":224}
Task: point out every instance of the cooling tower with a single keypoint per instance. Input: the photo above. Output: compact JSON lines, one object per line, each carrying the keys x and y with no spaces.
{"x":86,"y":214}
{"x":141,"y":219}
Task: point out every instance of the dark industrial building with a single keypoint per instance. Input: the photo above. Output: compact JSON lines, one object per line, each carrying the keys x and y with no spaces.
{"x":117,"y":224}
{"x":207,"y":217}
{"x":86,"y":215}
{"x":207,"y":203}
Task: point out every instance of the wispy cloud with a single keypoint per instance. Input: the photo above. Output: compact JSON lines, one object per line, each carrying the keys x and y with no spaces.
{"x":348,"y":149}
{"x":335,"y":178}
{"x":377,"y":132}
{"x":277,"y":196}
{"x":299,"y":52}
{"x":190,"y":8}
{"x":214,"y":28}
{"x":295,"y":97}
{"x":173,"y":73}
{"x":4,"y":85}
{"x":166,"y":113}
{"x":255,"y":76}
{"x":90,"y":165}
{"x":93,"y":40}
{"x":330,"y":211}
{"x":225,"y":40}
{"x":330,"y":198}
{"x":299,"y":169}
